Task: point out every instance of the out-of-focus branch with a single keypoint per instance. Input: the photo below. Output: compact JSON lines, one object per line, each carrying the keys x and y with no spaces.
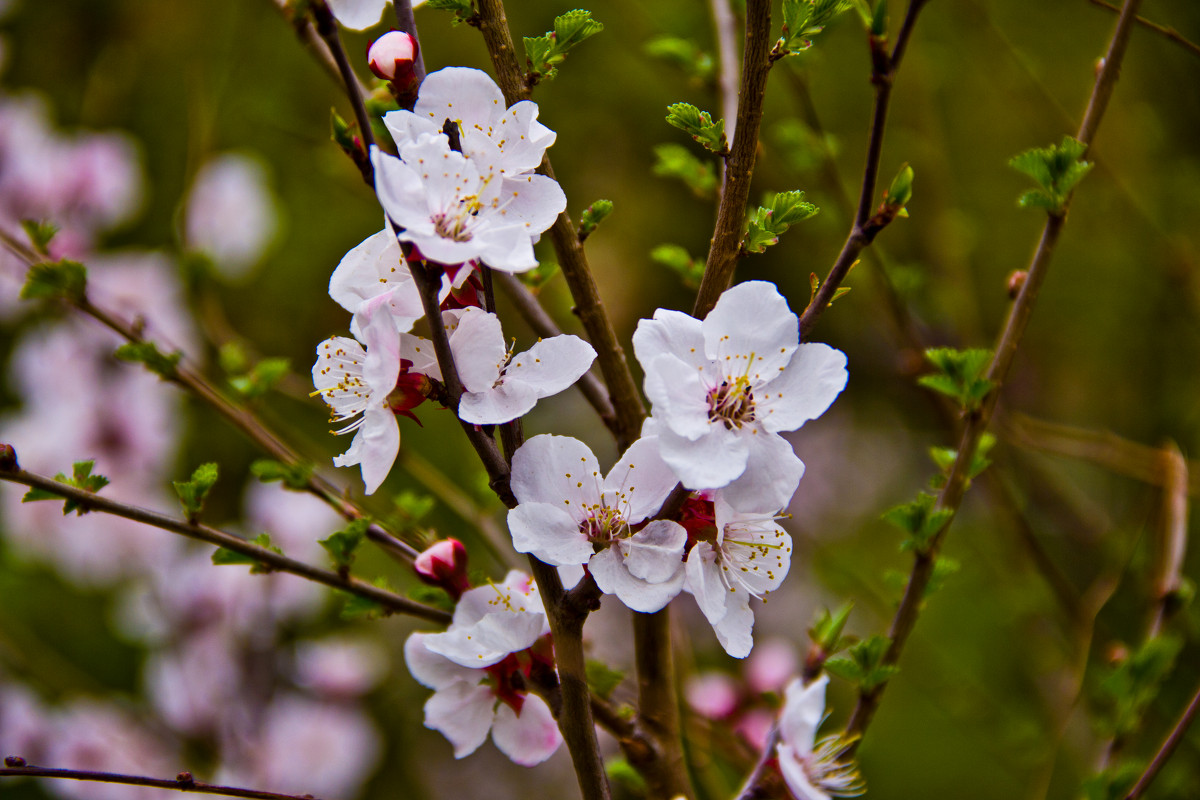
{"x":739,"y":165}
{"x":952,"y":493}
{"x":866,"y":227}
{"x":328,"y":30}
{"x":1172,"y":539}
{"x":320,"y":51}
{"x":658,"y":706}
{"x":1170,"y":33}
{"x":1167,"y":749}
{"x":90,"y":501}
{"x":14,"y":766}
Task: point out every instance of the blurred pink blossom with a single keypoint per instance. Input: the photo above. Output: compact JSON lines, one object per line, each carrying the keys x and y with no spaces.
{"x":772,"y":664}
{"x":341,"y":667}
{"x":231,"y":215}
{"x":713,"y":695}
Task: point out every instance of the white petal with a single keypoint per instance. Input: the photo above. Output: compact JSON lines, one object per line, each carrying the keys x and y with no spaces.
{"x":375,"y":447}
{"x":401,"y":193}
{"x":803,"y":710}
{"x":462,"y":94}
{"x":357,"y":275}
{"x":478,"y":346}
{"x":358,"y":15}
{"x":497,"y":405}
{"x":530,"y":738}
{"x":811,"y":382}
{"x":734,"y":630}
{"x":570,"y":576}
{"x":550,"y":533}
{"x":432,"y":670}
{"x":704,"y":581}
{"x":795,"y":776}
{"x":463,"y":714}
{"x":405,"y":126}
{"x":655,"y":553}
{"x":531,"y":201}
{"x":489,"y":640}
{"x":612,"y":576}
{"x":640,"y":482}
{"x":771,"y":475}
{"x":420,"y":352}
{"x":508,"y":250}
{"x":751,"y":321}
{"x":679,"y":392}
{"x":552,"y":365}
{"x":516,"y":594}
{"x":669,"y":333}
{"x":709,"y":462}
{"x":382,"y":364}
{"x":557,"y":470}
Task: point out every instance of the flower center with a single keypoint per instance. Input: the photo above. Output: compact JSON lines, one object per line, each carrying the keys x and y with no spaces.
{"x":732,"y":403}
{"x":452,"y":227}
{"x":605,"y":525}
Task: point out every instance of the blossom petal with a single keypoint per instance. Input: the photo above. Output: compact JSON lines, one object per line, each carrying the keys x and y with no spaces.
{"x":477,"y":342}
{"x":401,"y":192}
{"x":640,"y":482}
{"x":613,"y":577}
{"x":432,"y":670}
{"x":558,"y":470}
{"x":489,"y":640}
{"x":375,"y":447}
{"x":703,"y":581}
{"x":530,"y":738}
{"x":791,"y":767}
{"x":550,"y":533}
{"x":497,"y":405}
{"x":751,"y":321}
{"x":655,"y":553}
{"x":516,"y":593}
{"x":405,"y":126}
{"x":669,"y":333}
{"x":463,"y":714}
{"x":462,"y":94}
{"x":813,"y":379}
{"x":803,"y":710}
{"x":552,"y":365}
{"x":771,"y":475}
{"x":358,"y":15}
{"x":709,"y":462}
{"x":679,"y":393}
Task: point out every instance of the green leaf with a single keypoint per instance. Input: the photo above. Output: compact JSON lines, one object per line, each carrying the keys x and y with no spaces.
{"x":699,"y":125}
{"x":622,"y":773}
{"x":1134,"y":683}
{"x":224,"y":556}
{"x":539,"y":276}
{"x":593,"y":215}
{"x":341,"y":545}
{"x":1056,"y":170}
{"x":863,"y":664}
{"x":943,"y":568}
{"x":544,"y":53}
{"x":682,"y":53}
{"x":293,"y":476}
{"x":463,"y":9}
{"x":165,"y":366}
{"x":920,"y":519}
{"x":413,"y":506}
{"x":770,"y":222}
{"x":193,"y":493}
{"x":65,"y":279}
{"x":900,"y":192}
{"x":40,"y":234}
{"x":676,"y":161}
{"x":679,"y":261}
{"x":601,"y":678}
{"x":804,"y":19}
{"x":359,"y":607}
{"x":826,"y":631}
{"x":959,"y":375}
{"x":265,"y":375}
{"x":81,"y":478}
{"x":944,"y":457}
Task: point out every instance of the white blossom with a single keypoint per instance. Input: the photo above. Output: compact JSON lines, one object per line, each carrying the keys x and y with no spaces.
{"x":359,"y":15}
{"x":500,"y":386}
{"x":374,"y":275}
{"x":724,"y":388}
{"x":567,"y":509}
{"x":811,"y":769}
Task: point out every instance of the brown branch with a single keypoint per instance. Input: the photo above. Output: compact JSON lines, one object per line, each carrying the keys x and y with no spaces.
{"x":304,"y":29}
{"x":739,"y":165}
{"x":725,"y":33}
{"x":658,"y":706}
{"x":328,"y":30}
{"x":1162,"y":30}
{"x":90,"y":501}
{"x":406,"y":22}
{"x":866,"y":227}
{"x":952,"y":493}
{"x":1167,"y":749}
{"x":183,"y":782}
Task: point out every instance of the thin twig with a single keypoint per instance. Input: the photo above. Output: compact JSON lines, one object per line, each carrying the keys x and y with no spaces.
{"x":406,"y":22}
{"x":739,"y":165}
{"x":90,"y":501}
{"x":328,"y":30}
{"x":184,"y":782}
{"x":866,"y":227}
{"x":952,"y":493}
{"x":1172,"y":541}
{"x":1163,"y":30}
{"x":312,"y":40}
{"x":1167,"y":749}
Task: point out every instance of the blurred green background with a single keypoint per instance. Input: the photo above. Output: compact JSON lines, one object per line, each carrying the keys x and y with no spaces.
{"x":991,"y":700}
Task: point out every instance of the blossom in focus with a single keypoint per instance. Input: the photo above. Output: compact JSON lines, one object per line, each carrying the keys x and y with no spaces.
{"x":742,"y":555}
{"x":456,"y":209}
{"x":444,"y":564}
{"x":500,"y":386}
{"x":366,"y":384}
{"x":392,"y":57}
{"x":569,"y":514}
{"x":230,"y":214}
{"x":509,"y":140}
{"x":811,"y":769}
{"x":724,"y":388}
{"x":374,"y":275}
{"x":359,"y":15}
{"x":492,"y":621}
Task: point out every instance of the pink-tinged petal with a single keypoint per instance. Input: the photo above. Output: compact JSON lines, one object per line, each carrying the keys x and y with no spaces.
{"x":751,"y":320}
{"x":771,"y":475}
{"x":703,"y":581}
{"x":613,"y":577}
{"x":489,"y":640}
{"x":774,"y":662}
{"x":735,"y":629}
{"x":382,"y":364}
{"x":405,"y":126}
{"x":463,"y":714}
{"x":655,"y":553}
{"x":551,"y":365}
{"x":477,"y":342}
{"x":713,"y":695}
{"x":669,"y":333}
{"x":709,"y":462}
{"x":358,"y":275}
{"x":679,"y":392}
{"x":358,"y":15}
{"x":550,"y":533}
{"x":795,"y":776}
{"x":528,"y":739}
{"x":401,"y":193}
{"x":811,"y":382}
{"x":558,"y":470}
{"x":466,"y":96}
{"x":375,"y":447}
{"x":509,"y":250}
{"x":499,"y":404}
{"x":432,"y":670}
{"x":803,"y":710}
{"x":640,"y":482}
{"x":420,"y":352}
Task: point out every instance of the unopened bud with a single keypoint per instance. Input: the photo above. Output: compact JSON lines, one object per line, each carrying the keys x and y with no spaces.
{"x":392,"y":58}
{"x":8,"y":458}
{"x":444,"y":564}
{"x":14,"y":761}
{"x":1016,"y":280}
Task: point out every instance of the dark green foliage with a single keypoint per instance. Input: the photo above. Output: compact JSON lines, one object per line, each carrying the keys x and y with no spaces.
{"x":676,"y":161}
{"x":81,"y":478}
{"x":959,"y":375}
{"x":804,"y":19}
{"x":679,"y":261}
{"x":147,"y":353}
{"x":193,"y":493}
{"x":864,"y":664}
{"x":341,"y":545}
{"x":224,"y":556}
{"x":1056,"y":170}
{"x":293,"y":476}
{"x":544,"y":53}
{"x":682,"y":53}
{"x":920,"y":519}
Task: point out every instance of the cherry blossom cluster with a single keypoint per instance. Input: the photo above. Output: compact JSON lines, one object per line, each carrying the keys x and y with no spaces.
{"x":723,"y":391}
{"x":460,"y":197}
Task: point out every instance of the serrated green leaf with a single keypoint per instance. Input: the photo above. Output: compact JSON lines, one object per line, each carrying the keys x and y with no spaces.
{"x":699,"y":125}
{"x":1056,"y":170}
{"x":463,"y":9}
{"x":544,"y":53}
{"x":803,"y":19}
{"x":293,"y":476}
{"x":960,"y":375}
{"x":66,"y":279}
{"x":147,"y":353}
{"x":40,"y":234}
{"x":193,"y":493}
{"x":81,"y":478}
{"x":845,"y":668}
{"x":676,"y":161}
{"x":770,"y":222}
{"x":592,"y":216}
{"x":602,"y":679}
{"x":341,"y":545}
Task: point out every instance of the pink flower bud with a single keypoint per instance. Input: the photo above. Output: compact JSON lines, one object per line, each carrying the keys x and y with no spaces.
{"x":444,"y":564}
{"x":391,"y":57}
